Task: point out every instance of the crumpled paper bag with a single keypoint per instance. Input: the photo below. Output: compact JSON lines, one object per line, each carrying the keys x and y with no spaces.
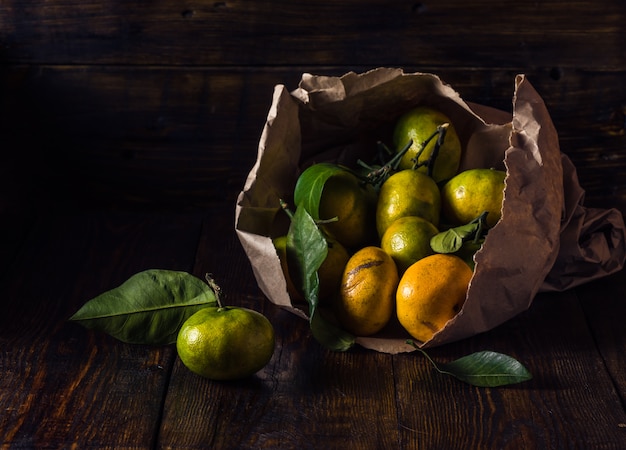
{"x":546,"y":240}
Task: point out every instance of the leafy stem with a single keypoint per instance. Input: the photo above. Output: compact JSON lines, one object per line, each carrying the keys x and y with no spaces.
{"x":285,"y":207}
{"x":149,"y":307}
{"x":377,"y":176}
{"x":307,"y":249}
{"x":452,"y":239}
{"x":440,"y":133}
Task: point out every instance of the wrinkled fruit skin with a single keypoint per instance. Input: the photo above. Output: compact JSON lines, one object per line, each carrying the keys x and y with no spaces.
{"x":430,"y":293}
{"x":366,"y":299}
{"x":226,"y":343}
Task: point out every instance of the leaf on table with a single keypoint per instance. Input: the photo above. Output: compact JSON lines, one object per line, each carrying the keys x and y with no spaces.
{"x":148,"y":308}
{"x":482,"y":369}
{"x":487,"y":369}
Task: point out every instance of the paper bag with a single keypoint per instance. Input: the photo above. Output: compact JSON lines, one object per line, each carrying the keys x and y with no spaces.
{"x":546,"y":240}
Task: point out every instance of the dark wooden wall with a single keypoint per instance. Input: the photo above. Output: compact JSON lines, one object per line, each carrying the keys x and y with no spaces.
{"x":160,"y":104}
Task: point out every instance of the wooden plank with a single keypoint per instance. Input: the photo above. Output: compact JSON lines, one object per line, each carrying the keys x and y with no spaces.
{"x":365,"y":32}
{"x":306,"y":397}
{"x":569,"y":403}
{"x":184,"y":138}
{"x":63,"y":386}
{"x":159,"y":135}
{"x":604,"y":306}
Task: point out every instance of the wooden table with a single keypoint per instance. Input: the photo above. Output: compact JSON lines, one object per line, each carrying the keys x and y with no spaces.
{"x":127,"y":131}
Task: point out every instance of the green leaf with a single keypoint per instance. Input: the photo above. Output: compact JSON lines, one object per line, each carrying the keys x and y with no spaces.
{"x":451,"y":240}
{"x":468,"y":250}
{"x":487,"y":369}
{"x":483,"y":369}
{"x":307,"y":249}
{"x":148,"y":308}
{"x":330,"y":335}
{"x":310,"y":184}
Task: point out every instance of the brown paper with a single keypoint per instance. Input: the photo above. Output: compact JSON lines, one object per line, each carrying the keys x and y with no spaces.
{"x":546,"y":240}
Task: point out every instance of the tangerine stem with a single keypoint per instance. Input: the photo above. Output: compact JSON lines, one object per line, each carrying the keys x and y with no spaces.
{"x":378,"y":176}
{"x":441,"y":130}
{"x":216,"y":289}
{"x":285,"y":206}
{"x":427,"y":356}
{"x":422,"y":147}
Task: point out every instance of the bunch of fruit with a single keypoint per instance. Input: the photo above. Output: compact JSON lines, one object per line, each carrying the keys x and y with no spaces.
{"x":401,"y":233}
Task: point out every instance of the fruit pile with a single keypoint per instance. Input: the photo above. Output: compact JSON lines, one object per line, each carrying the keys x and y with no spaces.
{"x":400,"y":230}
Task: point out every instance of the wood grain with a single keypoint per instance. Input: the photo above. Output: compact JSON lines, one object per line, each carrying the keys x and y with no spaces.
{"x":62,"y":385}
{"x":156,"y":138}
{"x":551,"y":339}
{"x":306,"y":396}
{"x":127,"y":129}
{"x":603,"y":303}
{"x":162,"y":105}
{"x":553,"y":35}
